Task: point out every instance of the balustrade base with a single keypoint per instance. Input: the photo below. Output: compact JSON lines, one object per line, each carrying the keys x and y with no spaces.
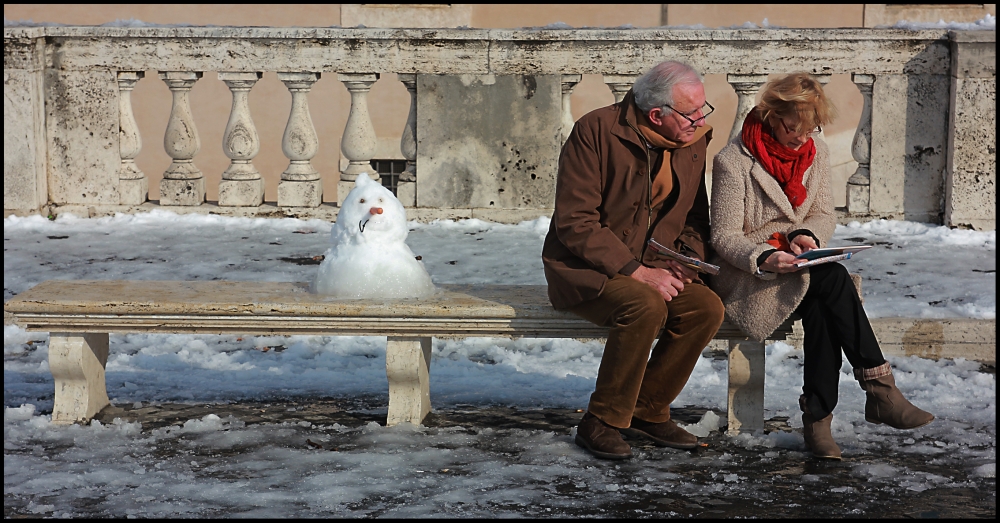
{"x":241,"y":193}
{"x":326,"y":211}
{"x":406,"y":192}
{"x":133,"y":192}
{"x":300,"y":193}
{"x":858,"y":198}
{"x":182,"y":192}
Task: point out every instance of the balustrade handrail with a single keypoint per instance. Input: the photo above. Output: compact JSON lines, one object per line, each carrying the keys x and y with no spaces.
{"x":492,"y":51}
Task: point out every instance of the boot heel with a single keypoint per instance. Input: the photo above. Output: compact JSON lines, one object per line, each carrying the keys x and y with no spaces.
{"x":873,"y":421}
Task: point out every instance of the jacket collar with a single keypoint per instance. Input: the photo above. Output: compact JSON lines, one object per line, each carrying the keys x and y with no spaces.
{"x":627,"y":128}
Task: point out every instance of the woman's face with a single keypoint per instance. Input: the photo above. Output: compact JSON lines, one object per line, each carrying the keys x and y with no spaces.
{"x":785,"y":134}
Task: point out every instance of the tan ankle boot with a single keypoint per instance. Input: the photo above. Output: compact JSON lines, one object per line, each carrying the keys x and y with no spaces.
{"x":819,"y":439}
{"x":884,"y":403}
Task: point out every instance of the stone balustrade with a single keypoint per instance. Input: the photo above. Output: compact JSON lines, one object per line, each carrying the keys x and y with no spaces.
{"x":925,"y":145}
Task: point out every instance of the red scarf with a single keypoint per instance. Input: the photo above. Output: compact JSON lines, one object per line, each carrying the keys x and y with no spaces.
{"x":786,"y":165}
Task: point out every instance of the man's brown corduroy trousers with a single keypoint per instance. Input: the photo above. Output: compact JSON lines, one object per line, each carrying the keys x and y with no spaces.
{"x":630,"y":381}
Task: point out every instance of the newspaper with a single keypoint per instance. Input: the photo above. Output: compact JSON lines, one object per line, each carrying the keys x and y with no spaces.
{"x":687,"y":261}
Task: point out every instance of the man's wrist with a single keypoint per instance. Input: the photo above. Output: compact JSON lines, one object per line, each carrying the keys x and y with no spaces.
{"x":629,"y":268}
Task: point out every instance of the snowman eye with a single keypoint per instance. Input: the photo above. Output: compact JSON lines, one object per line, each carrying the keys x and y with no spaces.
{"x":380,"y":200}
{"x":362,"y":201}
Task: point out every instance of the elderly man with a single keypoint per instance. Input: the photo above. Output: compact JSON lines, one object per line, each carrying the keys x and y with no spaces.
{"x":631,"y":172}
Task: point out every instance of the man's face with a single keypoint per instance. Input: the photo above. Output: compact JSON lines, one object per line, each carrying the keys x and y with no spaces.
{"x":688,"y":101}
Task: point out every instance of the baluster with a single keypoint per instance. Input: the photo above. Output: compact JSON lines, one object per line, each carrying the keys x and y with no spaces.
{"x":359,"y":141}
{"x":406,"y":188}
{"x":182,"y":183}
{"x":859,"y":184}
{"x":746,"y":87}
{"x":619,"y":84}
{"x":300,"y":184}
{"x":241,"y":184}
{"x":133,"y":188}
{"x":568,"y":82}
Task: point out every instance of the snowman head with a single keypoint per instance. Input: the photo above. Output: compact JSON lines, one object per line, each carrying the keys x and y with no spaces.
{"x":370,"y":213}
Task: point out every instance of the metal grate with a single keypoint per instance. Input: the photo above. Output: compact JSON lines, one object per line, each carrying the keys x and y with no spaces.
{"x":389,"y":171}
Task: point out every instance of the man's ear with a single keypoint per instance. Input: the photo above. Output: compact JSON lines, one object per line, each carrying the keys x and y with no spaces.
{"x":655,"y":116}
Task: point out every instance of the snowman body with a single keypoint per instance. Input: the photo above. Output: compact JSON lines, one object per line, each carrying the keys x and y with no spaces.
{"x":369,"y":257}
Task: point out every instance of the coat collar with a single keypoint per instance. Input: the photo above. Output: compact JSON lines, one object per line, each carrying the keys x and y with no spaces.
{"x":773,"y":189}
{"x":626,"y":127}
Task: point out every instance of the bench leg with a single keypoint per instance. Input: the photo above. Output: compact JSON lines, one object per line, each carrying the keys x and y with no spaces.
{"x":407,"y":365}
{"x":746,"y":386}
{"x":797,"y":338}
{"x":77,"y":363}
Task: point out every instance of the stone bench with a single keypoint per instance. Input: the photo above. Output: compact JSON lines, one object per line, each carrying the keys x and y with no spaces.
{"x":79,"y":315}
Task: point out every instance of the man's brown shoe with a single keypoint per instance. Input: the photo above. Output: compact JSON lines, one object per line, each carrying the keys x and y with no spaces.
{"x":601,"y":439}
{"x":665,"y":434}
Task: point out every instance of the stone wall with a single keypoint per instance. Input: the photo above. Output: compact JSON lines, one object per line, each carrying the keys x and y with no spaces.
{"x":970,"y":184}
{"x":25,"y":185}
{"x":488,"y":142}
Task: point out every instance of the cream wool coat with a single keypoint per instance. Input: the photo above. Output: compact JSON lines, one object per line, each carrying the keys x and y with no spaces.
{"x":748,"y":206}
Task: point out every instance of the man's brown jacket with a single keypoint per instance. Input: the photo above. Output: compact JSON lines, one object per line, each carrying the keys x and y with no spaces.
{"x":603,"y":216}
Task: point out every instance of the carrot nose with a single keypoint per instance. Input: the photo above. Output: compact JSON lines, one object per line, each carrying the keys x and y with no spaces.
{"x":375,"y":210}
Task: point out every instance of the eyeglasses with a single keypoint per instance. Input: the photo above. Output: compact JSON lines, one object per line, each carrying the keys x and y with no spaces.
{"x":704,"y":113}
{"x":814,"y":132}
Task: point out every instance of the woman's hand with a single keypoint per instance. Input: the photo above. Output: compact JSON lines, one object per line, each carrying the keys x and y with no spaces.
{"x":802,"y":243}
{"x":780,"y":262}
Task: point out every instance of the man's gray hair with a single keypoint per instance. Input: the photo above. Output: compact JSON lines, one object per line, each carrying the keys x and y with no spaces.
{"x":656,"y":87}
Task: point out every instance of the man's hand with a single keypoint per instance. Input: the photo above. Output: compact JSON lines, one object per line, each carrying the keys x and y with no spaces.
{"x":660,"y":279}
{"x":780,"y":262}
{"x":681,"y":272}
{"x":802,"y":243}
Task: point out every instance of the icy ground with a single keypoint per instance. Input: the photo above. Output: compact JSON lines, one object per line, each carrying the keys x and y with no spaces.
{"x":292,"y":424}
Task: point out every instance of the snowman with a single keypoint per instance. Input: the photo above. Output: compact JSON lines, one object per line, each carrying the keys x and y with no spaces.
{"x":369,"y":257}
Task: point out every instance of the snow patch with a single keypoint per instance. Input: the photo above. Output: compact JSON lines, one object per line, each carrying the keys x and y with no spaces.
{"x":986,"y":23}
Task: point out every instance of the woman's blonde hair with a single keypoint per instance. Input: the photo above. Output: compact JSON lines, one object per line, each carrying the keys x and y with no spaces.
{"x":798,"y":97}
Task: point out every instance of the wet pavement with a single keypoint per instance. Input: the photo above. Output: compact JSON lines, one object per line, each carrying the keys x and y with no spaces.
{"x":766,"y":482}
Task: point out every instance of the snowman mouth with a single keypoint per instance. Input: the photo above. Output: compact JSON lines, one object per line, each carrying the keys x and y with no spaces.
{"x":377,"y":224}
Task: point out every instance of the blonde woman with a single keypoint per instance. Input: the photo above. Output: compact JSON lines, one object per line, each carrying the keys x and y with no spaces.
{"x":770,"y":202}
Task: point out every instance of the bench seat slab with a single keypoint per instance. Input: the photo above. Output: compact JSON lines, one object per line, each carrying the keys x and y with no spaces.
{"x":288,"y":308}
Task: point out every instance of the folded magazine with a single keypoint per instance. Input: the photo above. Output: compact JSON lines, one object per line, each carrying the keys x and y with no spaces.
{"x":827,"y":255}
{"x":687,"y":261}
